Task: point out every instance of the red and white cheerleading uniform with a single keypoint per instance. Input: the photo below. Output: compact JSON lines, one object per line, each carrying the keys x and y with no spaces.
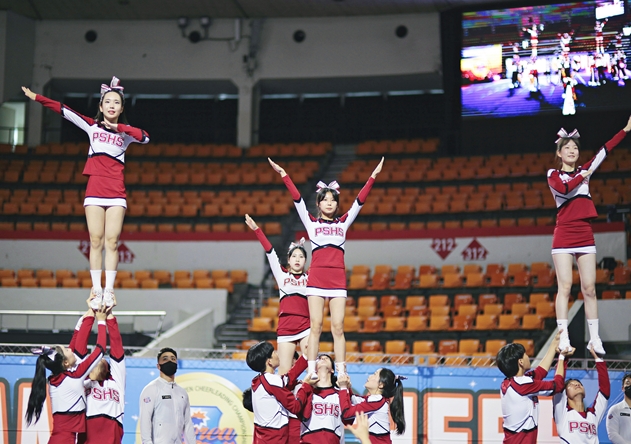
{"x":582,"y":427}
{"x":520,"y":404}
{"x":575,"y":208}
{"x":272,"y":399}
{"x":67,"y":395}
{"x":327,"y":273}
{"x":293,"y":314}
{"x":322,"y":417}
{"x":106,"y":157}
{"x":375,"y":406}
{"x":106,"y":399}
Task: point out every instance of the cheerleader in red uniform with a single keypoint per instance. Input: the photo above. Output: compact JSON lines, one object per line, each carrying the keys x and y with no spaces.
{"x":322,"y":423}
{"x":327,"y":274}
{"x":105,"y":386}
{"x":293,"y":315}
{"x":598,"y":29}
{"x":105,"y":197}
{"x":573,"y":235}
{"x":577,"y":423}
{"x":66,"y":389}
{"x":385,"y":398}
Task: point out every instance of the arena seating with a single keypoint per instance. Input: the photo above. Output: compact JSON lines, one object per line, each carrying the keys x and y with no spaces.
{"x":125,"y":278}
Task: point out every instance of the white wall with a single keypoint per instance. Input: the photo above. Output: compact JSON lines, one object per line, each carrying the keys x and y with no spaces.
{"x":179,"y":305}
{"x":334,"y":47}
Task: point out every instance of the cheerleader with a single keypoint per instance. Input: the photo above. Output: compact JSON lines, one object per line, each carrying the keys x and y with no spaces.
{"x":576,"y":423}
{"x":569,"y":96}
{"x":105,"y":391}
{"x":327,"y":275}
{"x":564,"y":41}
{"x":270,"y":396}
{"x":598,"y":29}
{"x":534,"y":36}
{"x":322,"y":423}
{"x":384,"y":399}
{"x":66,"y":389}
{"x":293,"y":316}
{"x":105,"y":197}
{"x":573,"y":235}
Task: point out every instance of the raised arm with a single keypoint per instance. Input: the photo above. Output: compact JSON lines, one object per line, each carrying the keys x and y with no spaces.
{"x":67,"y":113}
{"x":607,"y":147}
{"x":272,"y":257}
{"x":291,"y":378}
{"x":546,"y":362}
{"x":299,"y":202}
{"x":81,"y":335}
{"x":352,"y":213}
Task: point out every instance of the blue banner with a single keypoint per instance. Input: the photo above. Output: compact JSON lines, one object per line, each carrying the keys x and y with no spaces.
{"x":442,"y":404}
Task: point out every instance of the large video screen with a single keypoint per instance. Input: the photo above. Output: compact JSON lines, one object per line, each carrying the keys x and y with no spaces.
{"x":560,"y":59}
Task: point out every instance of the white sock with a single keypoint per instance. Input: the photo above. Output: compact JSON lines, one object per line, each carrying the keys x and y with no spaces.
{"x":110,"y":277}
{"x":96,"y":279}
{"x":592,"y":324}
{"x":340,"y":367}
{"x":562,"y":325}
{"x":311,"y":367}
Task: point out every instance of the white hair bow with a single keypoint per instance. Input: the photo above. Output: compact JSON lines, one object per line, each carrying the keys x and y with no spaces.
{"x":564,"y":135}
{"x":299,"y":244}
{"x":46,"y":351}
{"x":332,"y":186}
{"x":114,"y":86}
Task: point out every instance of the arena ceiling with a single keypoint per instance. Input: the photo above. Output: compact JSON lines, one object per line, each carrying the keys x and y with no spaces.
{"x":171,"y":9}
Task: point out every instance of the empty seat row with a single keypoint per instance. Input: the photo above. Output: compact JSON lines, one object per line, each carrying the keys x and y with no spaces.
{"x":449,"y":352}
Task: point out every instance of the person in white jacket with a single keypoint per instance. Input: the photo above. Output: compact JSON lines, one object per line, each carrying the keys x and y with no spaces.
{"x":165,"y":411}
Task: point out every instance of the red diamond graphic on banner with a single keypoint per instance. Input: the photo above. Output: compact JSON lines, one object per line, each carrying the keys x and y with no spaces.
{"x":475,"y":251}
{"x":443,"y":247}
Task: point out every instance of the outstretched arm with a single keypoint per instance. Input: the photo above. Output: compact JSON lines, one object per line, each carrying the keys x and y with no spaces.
{"x":546,"y":362}
{"x":69,"y":114}
{"x":607,"y":147}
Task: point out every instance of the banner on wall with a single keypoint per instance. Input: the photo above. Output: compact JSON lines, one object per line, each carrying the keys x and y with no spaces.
{"x":443,"y":405}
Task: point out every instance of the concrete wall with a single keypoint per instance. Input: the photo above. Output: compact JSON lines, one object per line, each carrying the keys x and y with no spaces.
{"x":17,"y":49}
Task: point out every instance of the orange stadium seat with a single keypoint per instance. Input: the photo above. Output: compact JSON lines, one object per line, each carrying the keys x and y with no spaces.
{"x":416,"y":323}
{"x":487,"y":298}
{"x":509,"y":322}
{"x":486,"y":322}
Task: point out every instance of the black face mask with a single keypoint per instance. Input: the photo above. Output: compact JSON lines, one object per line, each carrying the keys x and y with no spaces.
{"x":627,"y":391}
{"x":168,"y":368}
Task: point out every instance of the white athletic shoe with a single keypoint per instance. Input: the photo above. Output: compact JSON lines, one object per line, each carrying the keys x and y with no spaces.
{"x":313,"y":376}
{"x":108,"y":297}
{"x":564,"y":343}
{"x":597,"y":344}
{"x":97,"y":300}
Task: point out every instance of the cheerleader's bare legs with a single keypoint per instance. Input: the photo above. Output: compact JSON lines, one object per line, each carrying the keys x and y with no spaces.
{"x":286,"y":352}
{"x":316,"y":310}
{"x":104,"y":225}
{"x":337,"y":306}
{"x":587,"y":270}
{"x":316,"y":313}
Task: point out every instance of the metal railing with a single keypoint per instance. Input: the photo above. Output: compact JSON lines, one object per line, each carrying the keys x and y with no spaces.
{"x":233,"y":356}
{"x":160,"y":314}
